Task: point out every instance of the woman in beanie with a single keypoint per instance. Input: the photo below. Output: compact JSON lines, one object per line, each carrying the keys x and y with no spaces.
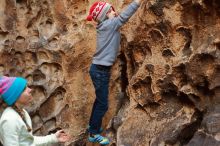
{"x":108,"y":41}
{"x":15,"y":122}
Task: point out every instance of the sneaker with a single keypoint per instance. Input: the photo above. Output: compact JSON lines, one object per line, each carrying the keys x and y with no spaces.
{"x":99,"y":139}
{"x":100,"y":130}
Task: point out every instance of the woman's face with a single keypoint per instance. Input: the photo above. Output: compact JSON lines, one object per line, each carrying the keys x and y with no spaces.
{"x":25,"y":97}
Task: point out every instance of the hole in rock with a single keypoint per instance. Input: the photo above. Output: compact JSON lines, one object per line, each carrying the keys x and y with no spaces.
{"x":167,"y":53}
{"x":38,"y":76}
{"x":20,"y":39}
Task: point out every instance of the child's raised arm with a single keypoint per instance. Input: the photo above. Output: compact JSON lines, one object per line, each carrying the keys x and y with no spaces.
{"x":124,"y":16}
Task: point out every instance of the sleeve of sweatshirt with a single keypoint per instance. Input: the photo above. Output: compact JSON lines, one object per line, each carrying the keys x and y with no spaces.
{"x":9,"y":133}
{"x":45,"y":140}
{"x":124,"y":16}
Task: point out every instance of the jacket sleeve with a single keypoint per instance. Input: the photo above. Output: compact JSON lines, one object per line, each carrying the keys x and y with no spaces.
{"x":10,"y":133}
{"x":124,"y":16}
{"x":45,"y":140}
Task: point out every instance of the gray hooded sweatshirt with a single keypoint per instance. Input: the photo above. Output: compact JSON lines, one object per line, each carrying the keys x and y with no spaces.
{"x":108,"y":36}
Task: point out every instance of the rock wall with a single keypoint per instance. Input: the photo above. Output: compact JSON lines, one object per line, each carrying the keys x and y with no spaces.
{"x":165,"y":84}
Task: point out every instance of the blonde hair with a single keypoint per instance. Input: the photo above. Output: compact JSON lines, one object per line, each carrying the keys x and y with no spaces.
{"x":21,"y":113}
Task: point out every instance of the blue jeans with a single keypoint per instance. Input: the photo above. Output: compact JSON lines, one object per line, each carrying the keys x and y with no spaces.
{"x":100,"y":77}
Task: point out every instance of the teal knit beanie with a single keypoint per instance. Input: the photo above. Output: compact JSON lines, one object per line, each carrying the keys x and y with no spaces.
{"x":11,"y":88}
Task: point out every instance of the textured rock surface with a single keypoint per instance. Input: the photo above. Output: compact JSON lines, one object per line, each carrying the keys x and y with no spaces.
{"x":165,"y":84}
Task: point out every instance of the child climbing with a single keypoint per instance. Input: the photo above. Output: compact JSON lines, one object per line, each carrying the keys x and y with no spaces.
{"x":108,"y":41}
{"x":15,"y":122}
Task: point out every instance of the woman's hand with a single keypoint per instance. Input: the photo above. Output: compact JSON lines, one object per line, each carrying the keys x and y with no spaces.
{"x":62,"y":136}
